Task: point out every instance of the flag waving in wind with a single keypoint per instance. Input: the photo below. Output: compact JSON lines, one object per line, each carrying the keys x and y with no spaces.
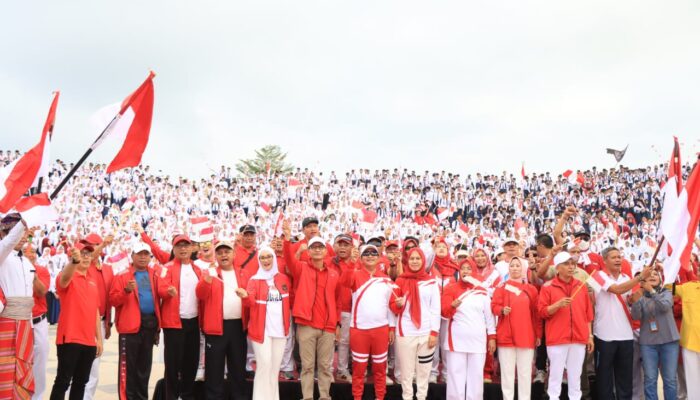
{"x":618,"y":154}
{"x":18,"y":176}
{"x":130,"y":124}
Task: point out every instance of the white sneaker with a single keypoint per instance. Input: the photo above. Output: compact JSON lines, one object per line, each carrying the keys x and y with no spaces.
{"x":432,"y":379}
{"x":389,"y":381}
{"x":540,"y":376}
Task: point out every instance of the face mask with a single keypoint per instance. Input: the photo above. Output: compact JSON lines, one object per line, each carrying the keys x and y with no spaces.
{"x":584,"y":245}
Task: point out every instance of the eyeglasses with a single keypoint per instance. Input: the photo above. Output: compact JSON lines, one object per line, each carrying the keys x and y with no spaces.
{"x":370,"y":253}
{"x":267,"y":257}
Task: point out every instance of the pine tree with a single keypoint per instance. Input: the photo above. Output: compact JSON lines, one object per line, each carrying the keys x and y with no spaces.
{"x":271,"y":154}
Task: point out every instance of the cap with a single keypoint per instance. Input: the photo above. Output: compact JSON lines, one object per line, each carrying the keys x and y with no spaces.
{"x":390,"y":243}
{"x":81,"y":245}
{"x":223,"y":243}
{"x":181,"y":238}
{"x":368,"y":247}
{"x":343,"y":237}
{"x":562,"y":258}
{"x":93,"y":238}
{"x":314,"y":240}
{"x":499,"y":250}
{"x":376,"y":240}
{"x":309,"y":220}
{"x":139,"y":247}
{"x":510,"y":240}
{"x":247,"y":228}
{"x":462,"y":253}
{"x":581,"y":234}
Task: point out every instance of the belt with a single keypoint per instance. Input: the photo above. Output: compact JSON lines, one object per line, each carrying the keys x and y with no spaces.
{"x":39,"y":319}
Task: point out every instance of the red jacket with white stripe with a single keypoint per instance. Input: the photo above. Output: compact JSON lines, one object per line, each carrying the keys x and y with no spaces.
{"x":371,"y":294}
{"x":568,"y":324}
{"x":126,"y":304}
{"x":522,"y":326}
{"x":169,"y":275}
{"x":211,"y":296}
{"x":429,"y":307}
{"x":257,"y":305}
{"x":471,"y":323}
{"x":344,"y":296}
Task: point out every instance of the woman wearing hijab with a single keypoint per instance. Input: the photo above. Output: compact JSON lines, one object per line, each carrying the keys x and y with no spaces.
{"x":267,"y":297}
{"x":485,"y":272}
{"x":518,"y":330}
{"x":418,"y":309}
{"x":470,"y":326}
{"x":444,"y":270}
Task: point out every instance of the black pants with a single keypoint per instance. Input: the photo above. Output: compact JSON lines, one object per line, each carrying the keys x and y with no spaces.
{"x":181,"y":359}
{"x":541,"y":354}
{"x":74,"y":363}
{"x":136,"y":355}
{"x":613,"y":366}
{"x":229,"y":348}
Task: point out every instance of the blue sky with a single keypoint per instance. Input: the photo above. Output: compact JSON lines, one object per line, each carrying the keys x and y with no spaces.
{"x":461,"y":86}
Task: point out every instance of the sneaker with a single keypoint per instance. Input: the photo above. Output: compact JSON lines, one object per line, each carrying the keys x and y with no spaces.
{"x":565,"y":379}
{"x":432,"y":379}
{"x":344,"y":376}
{"x":250,"y":375}
{"x":287,"y":375}
{"x":487,"y":379}
{"x":389,"y":381}
{"x":200,"y":375}
{"x":540,"y":376}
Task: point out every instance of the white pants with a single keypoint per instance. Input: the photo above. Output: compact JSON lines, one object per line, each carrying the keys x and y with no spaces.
{"x":268,"y":358}
{"x":510,"y":359}
{"x":414,"y":358}
{"x":41,"y":355}
{"x":344,"y":343}
{"x":91,"y":386}
{"x":288,"y":357}
{"x":691,"y":364}
{"x":569,"y":356}
{"x":465,"y":375}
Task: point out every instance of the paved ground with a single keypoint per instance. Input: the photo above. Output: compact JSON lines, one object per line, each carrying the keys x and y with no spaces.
{"x":107,"y":388}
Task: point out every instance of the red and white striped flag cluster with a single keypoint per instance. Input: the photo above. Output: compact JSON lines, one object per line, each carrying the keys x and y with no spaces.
{"x":202,"y":229}
{"x":574,"y":178}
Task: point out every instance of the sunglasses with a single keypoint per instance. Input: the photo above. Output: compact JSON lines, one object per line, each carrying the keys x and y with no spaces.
{"x":370,"y":253}
{"x":317,"y":247}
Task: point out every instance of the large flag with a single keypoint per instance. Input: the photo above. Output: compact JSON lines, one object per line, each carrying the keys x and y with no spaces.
{"x":130,"y":124}
{"x":522,"y":170}
{"x":17,"y":177}
{"x":618,"y":154}
{"x":37,"y":210}
{"x":202,"y":229}
{"x":292,"y":186}
{"x":574,"y":179}
{"x":679,"y":223}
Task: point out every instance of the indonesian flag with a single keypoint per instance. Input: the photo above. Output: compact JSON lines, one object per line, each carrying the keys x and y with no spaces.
{"x":129,"y":204}
{"x":522,"y":170}
{"x":292,"y":186}
{"x":429,"y":219}
{"x":278,"y":225}
{"x":119,"y":262}
{"x":264,"y":210}
{"x":357,"y":204}
{"x":202,"y":229}
{"x":574,"y":179}
{"x":679,"y":221}
{"x":130,"y":124}
{"x":369,"y":216}
{"x":17,"y":177}
{"x":462,"y":231}
{"x":443,"y":213}
{"x":37,"y":210}
{"x":596,"y":282}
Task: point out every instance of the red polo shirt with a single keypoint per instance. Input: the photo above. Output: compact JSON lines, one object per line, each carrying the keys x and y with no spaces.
{"x":79,"y":306}
{"x":40,"y":301}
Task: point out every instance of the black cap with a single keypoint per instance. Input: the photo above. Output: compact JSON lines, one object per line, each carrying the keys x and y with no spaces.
{"x":343,"y":237}
{"x":247,"y":228}
{"x":9,"y":220}
{"x":582,"y":233}
{"x":309,"y":220}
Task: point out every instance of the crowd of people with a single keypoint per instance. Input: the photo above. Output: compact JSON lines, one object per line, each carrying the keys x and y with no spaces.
{"x":420,"y":278}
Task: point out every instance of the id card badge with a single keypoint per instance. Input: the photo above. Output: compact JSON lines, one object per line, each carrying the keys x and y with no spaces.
{"x":652,"y":326}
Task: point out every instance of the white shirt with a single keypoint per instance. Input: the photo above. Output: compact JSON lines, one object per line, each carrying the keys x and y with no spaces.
{"x":430,"y":312}
{"x":16,"y":276}
{"x":471,"y":324}
{"x":188,"y":298}
{"x":274,"y":320}
{"x":611,"y":321}
{"x":232,"y":303}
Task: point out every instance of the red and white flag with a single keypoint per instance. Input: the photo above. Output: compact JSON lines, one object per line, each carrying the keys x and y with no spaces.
{"x":292,"y":186}
{"x":369,"y":216}
{"x":18,"y":176}
{"x":596,"y":282}
{"x":129,"y":204}
{"x":679,"y":222}
{"x":119,"y":262}
{"x":202,"y":229}
{"x":574,"y":178}
{"x":264,"y":210}
{"x":443,"y":213}
{"x":278,"y":224}
{"x":37,"y":210}
{"x":522,"y":170}
{"x":462,"y":231}
{"x":130,"y":124}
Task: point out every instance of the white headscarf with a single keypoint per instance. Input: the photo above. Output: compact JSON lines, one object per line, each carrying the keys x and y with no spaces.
{"x":269,"y":274}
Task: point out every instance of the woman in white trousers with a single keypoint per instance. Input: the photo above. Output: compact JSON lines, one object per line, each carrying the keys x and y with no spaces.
{"x":470,"y":326}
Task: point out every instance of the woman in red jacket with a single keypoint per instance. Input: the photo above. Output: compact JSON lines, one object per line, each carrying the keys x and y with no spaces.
{"x":267,"y":297}
{"x":518,"y":330}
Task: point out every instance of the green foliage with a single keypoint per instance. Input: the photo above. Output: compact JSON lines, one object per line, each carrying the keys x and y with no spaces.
{"x":271,"y":154}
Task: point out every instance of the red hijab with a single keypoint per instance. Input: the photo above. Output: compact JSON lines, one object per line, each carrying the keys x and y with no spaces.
{"x":445,"y":264}
{"x":412,"y":278}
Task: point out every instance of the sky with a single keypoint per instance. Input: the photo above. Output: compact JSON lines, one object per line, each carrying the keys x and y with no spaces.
{"x":461,"y":86}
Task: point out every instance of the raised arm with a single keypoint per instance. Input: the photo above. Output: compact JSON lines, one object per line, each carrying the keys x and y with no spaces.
{"x":8,"y":243}
{"x":69,"y":270}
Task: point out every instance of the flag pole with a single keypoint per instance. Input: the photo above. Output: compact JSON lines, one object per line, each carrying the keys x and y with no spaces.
{"x":82,"y":159}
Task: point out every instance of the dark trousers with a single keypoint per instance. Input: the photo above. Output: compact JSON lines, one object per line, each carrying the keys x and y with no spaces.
{"x":136,"y":358}
{"x":229,"y":348}
{"x":541,"y":354}
{"x":74,"y":363}
{"x":181,"y":359}
{"x":613,"y":366}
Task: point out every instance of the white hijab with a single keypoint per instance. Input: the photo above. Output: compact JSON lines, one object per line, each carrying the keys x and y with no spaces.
{"x":269,"y":274}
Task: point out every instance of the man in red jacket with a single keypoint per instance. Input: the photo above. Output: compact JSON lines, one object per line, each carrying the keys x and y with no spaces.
{"x":222,"y":324}
{"x":565,"y":305}
{"x":314,"y":312}
{"x":134,"y":296}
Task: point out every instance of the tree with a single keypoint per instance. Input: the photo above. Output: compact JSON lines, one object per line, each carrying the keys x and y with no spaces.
{"x":271,"y":154}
